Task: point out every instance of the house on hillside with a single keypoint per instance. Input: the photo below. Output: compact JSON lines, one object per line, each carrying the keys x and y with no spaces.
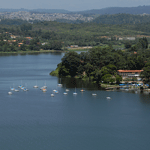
{"x":130,"y":74}
{"x":129,"y":38}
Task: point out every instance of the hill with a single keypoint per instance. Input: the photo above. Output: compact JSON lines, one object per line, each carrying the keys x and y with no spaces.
{"x":109,"y":10}
{"x":122,"y":19}
{"x":117,"y":10}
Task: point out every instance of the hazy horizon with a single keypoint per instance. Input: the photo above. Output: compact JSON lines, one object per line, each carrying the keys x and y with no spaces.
{"x":77,"y":5}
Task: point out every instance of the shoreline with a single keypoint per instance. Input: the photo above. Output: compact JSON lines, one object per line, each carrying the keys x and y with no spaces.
{"x":43,"y":51}
{"x":32,"y":52}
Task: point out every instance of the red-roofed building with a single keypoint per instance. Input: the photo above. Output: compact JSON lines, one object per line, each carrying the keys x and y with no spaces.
{"x":130,"y":74}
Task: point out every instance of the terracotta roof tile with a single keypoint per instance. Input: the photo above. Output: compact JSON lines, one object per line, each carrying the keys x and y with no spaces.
{"x":129,"y":70}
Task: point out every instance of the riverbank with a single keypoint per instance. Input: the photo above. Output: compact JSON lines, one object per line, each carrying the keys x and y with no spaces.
{"x":44,"y":51}
{"x":32,"y":52}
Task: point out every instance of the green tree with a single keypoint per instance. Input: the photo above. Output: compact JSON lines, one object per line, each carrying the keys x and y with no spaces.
{"x":127,"y":45}
{"x":70,"y":61}
{"x":118,"y":79}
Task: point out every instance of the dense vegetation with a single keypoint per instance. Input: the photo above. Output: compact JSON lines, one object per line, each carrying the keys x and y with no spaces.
{"x":122,"y":19}
{"x":54,"y":35}
{"x":101,"y":64}
{"x":117,"y":10}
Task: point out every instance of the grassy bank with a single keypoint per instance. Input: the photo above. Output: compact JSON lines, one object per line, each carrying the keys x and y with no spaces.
{"x":31,"y":52}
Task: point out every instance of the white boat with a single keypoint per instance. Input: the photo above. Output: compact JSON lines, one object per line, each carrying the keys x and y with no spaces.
{"x":108,"y":97}
{"x":56,"y":91}
{"x":25,"y":89}
{"x":9,"y":93}
{"x":94,"y":94}
{"x":59,"y":85}
{"x":12,"y":89}
{"x":16,"y":90}
{"x":65,"y":93}
{"x":74,"y":93}
{"x":20,"y":86}
{"x":67,"y":90}
{"x":35,"y":86}
{"x":45,"y":87}
{"x":52,"y":95}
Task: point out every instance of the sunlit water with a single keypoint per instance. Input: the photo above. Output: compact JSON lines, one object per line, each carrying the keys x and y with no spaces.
{"x":34,"y":120}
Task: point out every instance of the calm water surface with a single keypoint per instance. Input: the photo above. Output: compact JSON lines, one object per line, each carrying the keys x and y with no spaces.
{"x":34,"y":120}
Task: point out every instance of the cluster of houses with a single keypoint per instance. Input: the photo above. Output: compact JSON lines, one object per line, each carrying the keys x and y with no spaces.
{"x":130,"y":38}
{"x":13,"y":39}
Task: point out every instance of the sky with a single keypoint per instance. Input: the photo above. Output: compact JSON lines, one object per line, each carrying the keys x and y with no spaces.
{"x":71,"y":5}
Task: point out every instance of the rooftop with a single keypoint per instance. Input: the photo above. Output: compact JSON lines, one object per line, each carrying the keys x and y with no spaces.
{"x":130,"y":70}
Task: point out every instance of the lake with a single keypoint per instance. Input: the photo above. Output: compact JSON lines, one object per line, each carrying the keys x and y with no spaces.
{"x":34,"y":120}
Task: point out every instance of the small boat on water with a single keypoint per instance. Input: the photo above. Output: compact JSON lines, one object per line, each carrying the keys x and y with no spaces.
{"x":56,"y":91}
{"x":9,"y":93}
{"x":12,"y":89}
{"x":94,"y":94}
{"x":82,"y":90}
{"x":108,"y":97}
{"x":65,"y":93}
{"x":20,"y":86}
{"x":59,"y":85}
{"x":25,"y":89}
{"x":52,"y":95}
{"x":74,"y":93}
{"x":67,"y":90}
{"x":44,"y":90}
{"x":35,"y":86}
{"x":16,"y":90}
{"x":45,"y":87}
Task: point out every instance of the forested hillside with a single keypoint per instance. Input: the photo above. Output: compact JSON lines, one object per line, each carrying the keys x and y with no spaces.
{"x":122,"y":19}
{"x":53,"y":35}
{"x":117,"y":10}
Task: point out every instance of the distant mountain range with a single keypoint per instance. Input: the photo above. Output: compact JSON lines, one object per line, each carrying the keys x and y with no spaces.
{"x":122,"y":19}
{"x":121,"y":10}
{"x":110,"y":10}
